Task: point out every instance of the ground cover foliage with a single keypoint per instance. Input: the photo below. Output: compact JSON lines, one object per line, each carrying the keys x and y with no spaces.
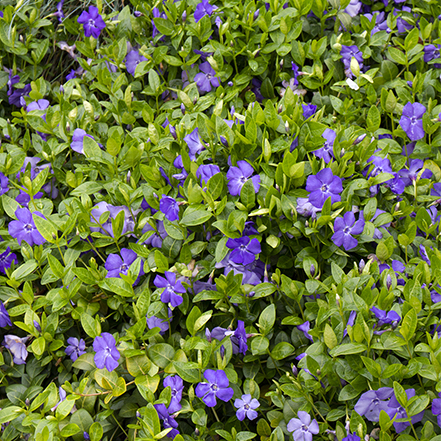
{"x":219,"y":220}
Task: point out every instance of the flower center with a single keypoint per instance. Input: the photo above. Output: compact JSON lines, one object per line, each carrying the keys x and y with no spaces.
{"x":324,"y":188}
{"x":346,"y":230}
{"x":243,"y":179}
{"x":247,"y":406}
{"x":28,"y":227}
{"x":124,"y":267}
{"x":214,"y":387}
{"x":305,"y":427}
{"x":91,"y":22}
{"x":414,"y":119}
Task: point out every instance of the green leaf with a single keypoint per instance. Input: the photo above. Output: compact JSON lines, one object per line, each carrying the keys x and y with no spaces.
{"x":83,"y":420}
{"x":46,"y":228}
{"x":10,"y":206}
{"x":161,"y":354}
{"x":85,"y":362}
{"x":259,"y":345}
{"x":164,"y":25}
{"x":216,"y":185}
{"x":267,"y":319}
{"x":10,"y":413}
{"x":347,"y":349}
{"x":91,"y":326}
{"x":397,"y":55}
{"x":24,"y":270}
{"x":195,"y":216}
{"x":330,"y":337}
{"x":186,"y":373}
{"x":138,"y":365}
{"x":118,"y":286}
{"x":69,"y":430}
{"x":92,"y":150}
{"x":282,"y":350}
{"x":154,"y":81}
{"x":409,"y":325}
{"x":373,"y":120}
{"x":248,"y":194}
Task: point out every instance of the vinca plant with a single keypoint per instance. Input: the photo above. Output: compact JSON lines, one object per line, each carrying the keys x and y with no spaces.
{"x":220,"y":220}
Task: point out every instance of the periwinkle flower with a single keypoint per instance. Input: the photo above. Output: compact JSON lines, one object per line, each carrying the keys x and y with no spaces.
{"x":203,"y":8}
{"x":410,"y":176}
{"x":436,"y":408}
{"x":63,"y":396}
{"x":117,"y":265}
{"x":168,"y":420}
{"x":24,"y":228}
{"x":133,"y":58}
{"x":295,"y":70}
{"x":216,"y":387}
{"x":17,"y":347}
{"x":302,"y":427}
{"x":411,"y":121}
{"x":424,"y":255}
{"x":78,"y":140}
{"x":155,"y":240}
{"x":7,"y":259}
{"x":207,"y":171}
{"x":4,"y":317}
{"x":206,"y":79}
{"x":4,"y":184}
{"x":176,"y":384}
{"x":431,"y":52}
{"x":353,"y":8}
{"x":323,"y":185}
{"x":194,"y":143}
{"x":371,"y":403}
{"x":347,"y":53}
{"x":344,"y":229}
{"x":381,"y":165}
{"x":305,"y":327}
{"x":246,"y":407}
{"x":106,"y":353}
{"x":305,"y":208}
{"x":351,"y":437}
{"x":162,"y":324}
{"x":59,"y":12}
{"x":76,"y":348}
{"x":237,"y":176}
{"x":15,"y":95}
{"x":244,"y":249}
{"x":157,"y":14}
{"x":173,"y":288}
{"x":386,"y":318}
{"x":239,"y":338}
{"x":395,"y":409}
{"x":92,"y":22}
{"x":308,"y":110}
{"x":350,"y":322}
{"x":170,"y":208}
{"x":326,"y":152}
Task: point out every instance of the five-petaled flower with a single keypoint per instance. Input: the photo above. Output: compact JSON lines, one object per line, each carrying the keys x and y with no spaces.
{"x":237,"y":176}
{"x":344,"y":229}
{"x":194,"y":143}
{"x":371,"y":403}
{"x":92,"y":22}
{"x":106,"y":353}
{"x":4,"y":317}
{"x":7,"y":259}
{"x":203,"y":8}
{"x":76,"y":348}
{"x":173,"y":288}
{"x":246,"y":407}
{"x":170,"y":208}
{"x":17,"y":346}
{"x":302,"y":427}
{"x":217,"y":387}
{"x":326,"y":152}
{"x":412,"y":120}
{"x":24,"y":228}
{"x":244,"y":250}
{"x":322,"y":186}
{"x":117,"y":265}
{"x":386,"y":318}
{"x":206,"y":79}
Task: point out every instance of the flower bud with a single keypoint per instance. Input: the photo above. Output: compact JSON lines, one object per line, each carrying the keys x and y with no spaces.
{"x":256,"y":14}
{"x":195,"y":101}
{"x":224,"y":141}
{"x":388,"y":281}
{"x":173,"y":131}
{"x":286,"y":126}
{"x":280,"y":109}
{"x":129,"y":175}
{"x":184,"y":16}
{"x":230,"y":84}
{"x":359,"y":139}
{"x":183,"y":108}
{"x":37,"y":326}
{"x":361,"y":266}
{"x":281,"y":63}
{"x":27,"y":402}
{"x":138,"y":14}
{"x":138,"y":414}
{"x":295,"y":371}
{"x":312,"y":270}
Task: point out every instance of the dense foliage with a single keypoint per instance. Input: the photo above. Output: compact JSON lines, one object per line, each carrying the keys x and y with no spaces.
{"x":219,"y":219}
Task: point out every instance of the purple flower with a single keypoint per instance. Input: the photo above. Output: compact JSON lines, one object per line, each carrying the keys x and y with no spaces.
{"x":237,"y":176}
{"x":245,"y":407}
{"x":386,"y":318}
{"x":351,"y":437}
{"x":173,"y":288}
{"x":63,"y":396}
{"x":431,"y":52}
{"x":162,"y":324}
{"x":323,"y":185}
{"x":308,"y":110}
{"x":6,"y":260}
{"x":92,"y":22}
{"x":4,"y":184}
{"x":395,"y":184}
{"x":305,"y":327}
{"x":207,"y":171}
{"x":24,"y":228}
{"x":295,"y":70}
{"x":176,"y":384}
{"x":194,"y":143}
{"x":305,"y":208}
{"x":17,"y":347}
{"x":381,"y":165}
{"x":59,"y":12}
{"x":424,"y":255}
{"x":353,"y":8}
{"x":371,"y":403}
{"x":78,"y":140}
{"x":203,"y":8}
{"x":76,"y":348}
{"x":411,"y":121}
{"x":4,"y":317}
{"x":168,"y":420}
{"x":244,"y":250}
{"x":157,"y":14}
{"x":217,"y":387}
{"x":326,"y":152}
{"x":207,"y":78}
{"x":116,"y":265}
{"x":395,"y":409}
{"x":436,"y":408}
{"x":347,"y":52}
{"x":345,"y":227}
{"x":38,"y":105}
{"x":106,"y":353}
{"x":15,"y":95}
{"x":252,"y":273}
{"x":239,"y":339}
{"x":302,"y":427}
{"x":170,"y":208}
{"x":409,"y":176}
{"x":350,"y":322}
{"x":155,"y":240}
{"x":132,"y":60}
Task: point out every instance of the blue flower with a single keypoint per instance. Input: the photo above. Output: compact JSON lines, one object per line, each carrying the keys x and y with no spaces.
{"x":173,"y":288}
{"x":106,"y":353}
{"x":386,"y":318}
{"x":7,"y":259}
{"x":412,"y":120}
{"x":206,"y":79}
{"x":244,"y":250}
{"x":17,"y":347}
{"x":170,"y":208}
{"x":168,"y":421}
{"x":4,"y":316}
{"x":237,"y":176}
{"x":76,"y":348}
{"x":246,"y":407}
{"x":345,"y":227}
{"x":308,"y":110}
{"x":194,"y":143}
{"x":92,"y":22}
{"x":302,"y":427}
{"x":371,"y":403}
{"x":323,"y":185}
{"x":326,"y":152}
{"x":203,"y":8}
{"x":216,"y":387}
